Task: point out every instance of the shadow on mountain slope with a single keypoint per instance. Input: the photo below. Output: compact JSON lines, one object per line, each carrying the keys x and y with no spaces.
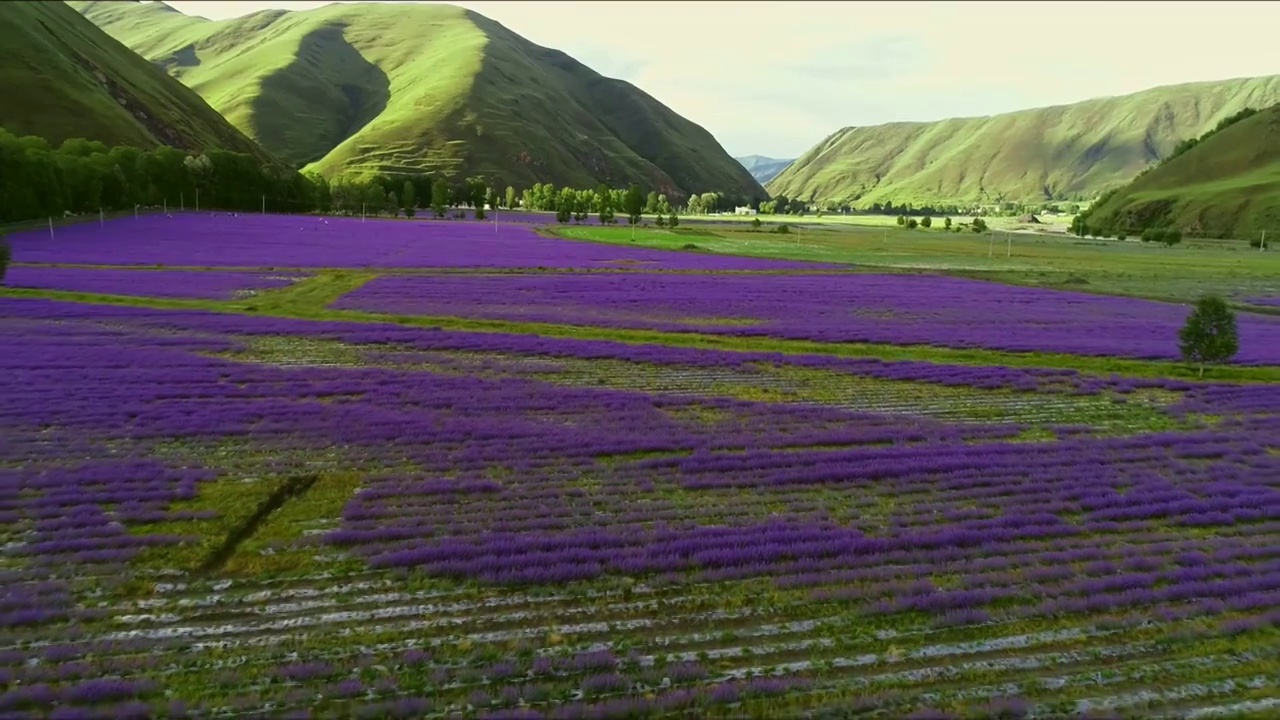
{"x":328,"y":93}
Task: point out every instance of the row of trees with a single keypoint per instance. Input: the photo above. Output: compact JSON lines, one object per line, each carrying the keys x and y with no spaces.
{"x":978,"y":225}
{"x":782,"y":205}
{"x":80,"y":176}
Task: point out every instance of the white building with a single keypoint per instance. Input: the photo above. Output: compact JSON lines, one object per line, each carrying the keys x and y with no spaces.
{"x":743,"y":211}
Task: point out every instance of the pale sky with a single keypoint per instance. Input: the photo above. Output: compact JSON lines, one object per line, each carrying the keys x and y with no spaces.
{"x":774,"y":78}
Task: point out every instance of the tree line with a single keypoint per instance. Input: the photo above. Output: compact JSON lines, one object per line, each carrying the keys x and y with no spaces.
{"x":79,"y":176}
{"x":38,"y":180}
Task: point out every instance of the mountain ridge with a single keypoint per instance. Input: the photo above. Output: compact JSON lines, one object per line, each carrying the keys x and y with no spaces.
{"x":65,"y":78}
{"x":1226,"y":185}
{"x":1060,"y":152}
{"x":397,"y":89}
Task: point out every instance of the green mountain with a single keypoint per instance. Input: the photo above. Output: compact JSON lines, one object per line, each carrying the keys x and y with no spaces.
{"x":762,"y":168}
{"x":1055,"y":153}
{"x":1226,"y":185}
{"x":65,"y":78}
{"x":413,"y":88}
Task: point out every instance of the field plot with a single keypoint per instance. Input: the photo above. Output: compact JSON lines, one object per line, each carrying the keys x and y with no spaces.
{"x":211,"y":514}
{"x":902,"y":309}
{"x":211,"y":285}
{"x":200,"y":240}
{"x":220,"y":507}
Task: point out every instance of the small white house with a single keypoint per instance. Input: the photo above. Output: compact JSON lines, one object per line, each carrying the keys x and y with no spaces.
{"x":743,"y":211}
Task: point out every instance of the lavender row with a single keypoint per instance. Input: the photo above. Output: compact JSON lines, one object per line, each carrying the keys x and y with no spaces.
{"x":249,"y":240}
{"x":898,"y":309}
{"x":394,"y":336}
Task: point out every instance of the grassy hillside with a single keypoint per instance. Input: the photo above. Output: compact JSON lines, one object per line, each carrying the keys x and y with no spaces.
{"x":1227,"y":185}
{"x":1064,"y":152}
{"x":408,"y":88}
{"x":65,"y":78}
{"x":762,"y":168}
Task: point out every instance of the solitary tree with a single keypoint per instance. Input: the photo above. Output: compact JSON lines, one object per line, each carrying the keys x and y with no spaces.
{"x":755,"y":223}
{"x":911,"y":224}
{"x":979,"y":225}
{"x":1172,"y":237}
{"x":926,"y":221}
{"x":673,"y":220}
{"x":633,"y":204}
{"x":1210,"y":333}
{"x":902,"y":220}
{"x":660,"y":221}
{"x":4,"y":256}
{"x":947,"y":224}
{"x":409,"y":197}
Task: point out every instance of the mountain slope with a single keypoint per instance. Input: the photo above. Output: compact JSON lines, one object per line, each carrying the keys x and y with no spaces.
{"x":1064,"y":152}
{"x":1227,"y":185}
{"x":65,"y":78}
{"x":762,"y":168}
{"x":408,"y":88}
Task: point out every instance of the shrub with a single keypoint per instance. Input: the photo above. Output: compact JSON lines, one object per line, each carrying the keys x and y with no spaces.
{"x":1209,"y":335}
{"x":912,"y":224}
{"x":926,"y":222}
{"x":782,"y":229}
{"x":673,"y":221}
{"x":1172,"y":237}
{"x":755,"y":223}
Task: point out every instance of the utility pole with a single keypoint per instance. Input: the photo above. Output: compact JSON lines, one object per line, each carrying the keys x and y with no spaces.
{"x":361,"y":212}
{"x":264,"y":204}
{"x":51,"y":228}
{"x":1008,"y":237}
{"x":182,"y":201}
{"x":1262,"y":244}
{"x":100,"y":220}
{"x":165,"y":205}
{"x":197,"y":199}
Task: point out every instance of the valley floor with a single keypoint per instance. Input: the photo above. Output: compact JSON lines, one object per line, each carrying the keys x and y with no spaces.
{"x":292,"y":465}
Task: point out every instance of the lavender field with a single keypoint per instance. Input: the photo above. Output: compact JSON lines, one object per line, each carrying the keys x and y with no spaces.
{"x":302,"y":501}
{"x":925,"y":310}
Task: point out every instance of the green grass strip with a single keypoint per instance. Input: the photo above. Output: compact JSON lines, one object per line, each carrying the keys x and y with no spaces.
{"x":308,"y":300}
